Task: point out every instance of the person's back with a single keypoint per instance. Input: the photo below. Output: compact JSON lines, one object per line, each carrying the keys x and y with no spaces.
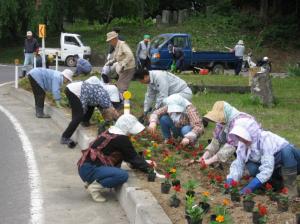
{"x":174,"y":83}
{"x":46,"y":78}
{"x":239,"y":50}
{"x":83,"y":66}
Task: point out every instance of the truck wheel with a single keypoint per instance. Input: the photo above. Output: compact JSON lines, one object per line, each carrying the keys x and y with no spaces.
{"x":70,"y":62}
{"x":218,"y":69}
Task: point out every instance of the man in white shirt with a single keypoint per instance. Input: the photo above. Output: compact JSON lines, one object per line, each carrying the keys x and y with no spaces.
{"x":143,"y":53}
{"x":239,"y":50}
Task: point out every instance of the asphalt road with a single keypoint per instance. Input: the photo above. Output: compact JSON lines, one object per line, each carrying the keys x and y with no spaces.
{"x":14,"y":186}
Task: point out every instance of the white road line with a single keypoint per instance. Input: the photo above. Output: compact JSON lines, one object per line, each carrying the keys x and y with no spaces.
{"x":7,"y":83}
{"x":36,"y":201}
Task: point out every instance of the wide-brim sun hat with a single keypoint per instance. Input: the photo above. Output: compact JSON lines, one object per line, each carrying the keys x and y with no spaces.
{"x":111,"y":35}
{"x":241,"y":42}
{"x":68,"y":74}
{"x":241,"y":132}
{"x":29,"y":33}
{"x":129,"y":124}
{"x":217,"y":113}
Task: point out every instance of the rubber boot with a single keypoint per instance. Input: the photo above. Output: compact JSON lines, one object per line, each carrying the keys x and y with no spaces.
{"x":94,"y":190}
{"x":289,"y":176}
{"x":40,"y":113}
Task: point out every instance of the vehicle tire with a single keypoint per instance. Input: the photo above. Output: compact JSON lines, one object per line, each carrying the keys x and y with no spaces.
{"x":70,"y":62}
{"x":218,"y":69}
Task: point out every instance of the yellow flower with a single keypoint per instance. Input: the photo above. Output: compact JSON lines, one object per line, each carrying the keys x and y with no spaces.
{"x":220,"y":218}
{"x":173,"y":170}
{"x":132,"y":139}
{"x":166,"y":159}
{"x":226,"y":202}
{"x":148,"y":151}
{"x":206,"y":193}
{"x":154,"y":144}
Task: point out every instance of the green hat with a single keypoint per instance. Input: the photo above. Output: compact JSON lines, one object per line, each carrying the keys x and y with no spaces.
{"x":146,"y":36}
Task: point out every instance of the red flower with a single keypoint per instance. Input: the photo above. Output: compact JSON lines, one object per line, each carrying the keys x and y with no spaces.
{"x":284,"y":190}
{"x":218,"y":178}
{"x":195,"y":153}
{"x":200,"y":148}
{"x":210,"y":175}
{"x":203,"y":164}
{"x":167,"y":175}
{"x":248,"y":191}
{"x":177,"y":188}
{"x":247,"y":177}
{"x":226,"y":185}
{"x":170,"y":141}
{"x":269,"y":187}
{"x":262,"y":210}
{"x":178,"y":147}
{"x":234,"y":183}
{"x":166,"y":153}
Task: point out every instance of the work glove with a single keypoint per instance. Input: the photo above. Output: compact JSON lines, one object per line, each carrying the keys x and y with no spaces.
{"x":252,"y":186}
{"x":57,"y":103}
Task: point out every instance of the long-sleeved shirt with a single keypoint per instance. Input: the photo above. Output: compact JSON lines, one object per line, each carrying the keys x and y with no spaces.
{"x":261,"y":151}
{"x":189,"y":117}
{"x":31,"y":45}
{"x":123,"y":55}
{"x":162,"y":84}
{"x":123,"y":145}
{"x":143,"y":50}
{"x":49,"y":80}
{"x":83,"y":66}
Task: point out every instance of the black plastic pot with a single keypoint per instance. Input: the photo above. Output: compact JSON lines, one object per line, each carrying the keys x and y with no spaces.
{"x":282,"y":206}
{"x":190,"y":193}
{"x":248,"y":205}
{"x":213,"y":218}
{"x":255,"y":217}
{"x":175,"y":182}
{"x":174,"y":202}
{"x":165,"y":188}
{"x":235,"y":197}
{"x":151,"y":177}
{"x":190,"y":221}
{"x":204,"y":206}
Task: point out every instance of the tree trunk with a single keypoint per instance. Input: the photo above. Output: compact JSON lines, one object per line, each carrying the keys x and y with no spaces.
{"x":264,"y":5}
{"x":109,"y":12}
{"x":142,"y":11}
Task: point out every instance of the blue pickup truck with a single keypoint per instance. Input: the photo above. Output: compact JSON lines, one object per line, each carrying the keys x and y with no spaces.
{"x":161,"y":59}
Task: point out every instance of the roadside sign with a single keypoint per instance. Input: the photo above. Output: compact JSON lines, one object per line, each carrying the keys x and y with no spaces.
{"x":42,"y":30}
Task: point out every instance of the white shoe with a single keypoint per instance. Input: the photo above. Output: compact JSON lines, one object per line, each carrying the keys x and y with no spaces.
{"x":94,"y":190}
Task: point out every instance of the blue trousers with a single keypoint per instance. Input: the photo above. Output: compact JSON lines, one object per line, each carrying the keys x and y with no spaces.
{"x":107,"y":176}
{"x":28,"y":60}
{"x":167,"y":126}
{"x":287,"y":157}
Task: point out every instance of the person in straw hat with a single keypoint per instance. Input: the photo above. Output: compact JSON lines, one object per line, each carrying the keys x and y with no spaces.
{"x":179,"y":118}
{"x":99,"y":166}
{"x":226,"y":117}
{"x":42,"y":80}
{"x":265,"y":158}
{"x":122,"y":62}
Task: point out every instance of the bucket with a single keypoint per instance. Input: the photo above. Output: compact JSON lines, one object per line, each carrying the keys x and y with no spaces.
{"x":203,"y":71}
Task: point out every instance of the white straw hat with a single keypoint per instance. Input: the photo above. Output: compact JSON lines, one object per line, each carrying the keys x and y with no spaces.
{"x":68,"y":74}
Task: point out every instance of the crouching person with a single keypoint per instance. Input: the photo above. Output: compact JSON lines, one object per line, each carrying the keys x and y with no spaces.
{"x":100,"y":164}
{"x":42,"y":80}
{"x":263,"y":158}
{"x":179,"y":118}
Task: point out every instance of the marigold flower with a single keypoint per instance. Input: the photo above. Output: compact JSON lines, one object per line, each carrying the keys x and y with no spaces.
{"x":166,"y":159}
{"x":226,"y":202}
{"x":218,"y":178}
{"x":177,"y":188}
{"x":234,"y":183}
{"x":154,"y":144}
{"x":132,"y":139}
{"x":173,"y":170}
{"x":206,"y":193}
{"x":226,"y":186}
{"x":220,"y":218}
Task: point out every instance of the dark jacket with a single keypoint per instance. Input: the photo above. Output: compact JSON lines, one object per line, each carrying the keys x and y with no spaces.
{"x":31,"y":45}
{"x":123,"y":148}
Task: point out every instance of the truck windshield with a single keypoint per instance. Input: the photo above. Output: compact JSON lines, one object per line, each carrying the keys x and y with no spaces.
{"x":82,"y":42}
{"x":158,"y":41}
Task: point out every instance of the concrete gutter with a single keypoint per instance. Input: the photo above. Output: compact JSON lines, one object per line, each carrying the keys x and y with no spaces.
{"x":140,"y":205}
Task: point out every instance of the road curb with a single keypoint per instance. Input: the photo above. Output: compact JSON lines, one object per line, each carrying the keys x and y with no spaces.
{"x":140,"y":206}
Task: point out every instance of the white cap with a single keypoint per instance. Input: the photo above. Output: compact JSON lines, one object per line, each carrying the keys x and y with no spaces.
{"x":68,"y":74}
{"x":29,"y":33}
{"x":241,"y":132}
{"x":113,"y":92}
{"x":127,"y":124}
{"x":241,"y":42}
{"x":176,"y":103}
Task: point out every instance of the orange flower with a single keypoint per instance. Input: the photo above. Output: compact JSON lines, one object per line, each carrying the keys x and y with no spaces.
{"x":154,"y":144}
{"x":220,"y":218}
{"x":206,"y":193}
{"x":226,"y":202}
{"x":173,"y":170}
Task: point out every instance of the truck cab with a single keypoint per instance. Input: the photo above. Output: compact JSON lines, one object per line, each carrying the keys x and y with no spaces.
{"x":70,"y":45}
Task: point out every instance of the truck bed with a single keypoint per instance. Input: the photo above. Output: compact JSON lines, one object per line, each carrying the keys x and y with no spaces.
{"x":204,"y":56}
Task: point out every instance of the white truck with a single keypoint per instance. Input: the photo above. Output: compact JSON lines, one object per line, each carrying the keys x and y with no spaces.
{"x":70,"y":45}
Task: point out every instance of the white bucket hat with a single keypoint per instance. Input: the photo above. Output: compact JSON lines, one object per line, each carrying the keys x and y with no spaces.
{"x":29,"y":33}
{"x":126,"y":124}
{"x":111,"y":35}
{"x":113,"y":93}
{"x":68,"y":74}
{"x":241,"y":132}
{"x":241,"y":42}
{"x":176,"y":103}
